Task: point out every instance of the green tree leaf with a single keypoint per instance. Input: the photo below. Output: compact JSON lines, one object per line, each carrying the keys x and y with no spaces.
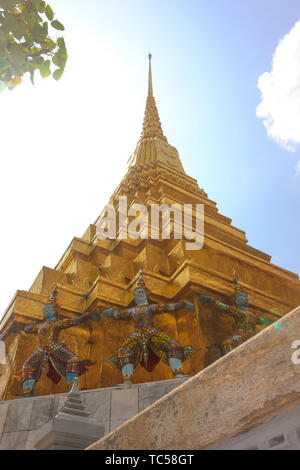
{"x":25,"y":44}
{"x":42,"y":7}
{"x":3,"y":86}
{"x":61,"y":44}
{"x":49,"y":13}
{"x":57,"y":74}
{"x":45,"y":69}
{"x":57,"y":25}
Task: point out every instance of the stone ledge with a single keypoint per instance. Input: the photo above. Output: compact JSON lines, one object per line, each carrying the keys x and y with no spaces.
{"x":21,"y":419}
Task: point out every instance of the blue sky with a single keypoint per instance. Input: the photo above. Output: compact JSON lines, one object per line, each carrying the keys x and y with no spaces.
{"x":207,"y":59}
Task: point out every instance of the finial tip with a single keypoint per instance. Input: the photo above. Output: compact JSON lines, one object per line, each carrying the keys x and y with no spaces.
{"x":150,"y":56}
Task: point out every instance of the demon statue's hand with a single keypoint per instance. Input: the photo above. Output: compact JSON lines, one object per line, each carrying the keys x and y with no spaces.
{"x":190,"y":307}
{"x":53,"y":294}
{"x":264,"y":321}
{"x":28,"y":385}
{"x":113,"y":313}
{"x":108,"y":313}
{"x":28,"y":328}
{"x":12,"y":329}
{"x":205,"y":299}
{"x":93,"y":316}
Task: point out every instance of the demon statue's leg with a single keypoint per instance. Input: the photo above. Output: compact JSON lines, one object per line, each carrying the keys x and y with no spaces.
{"x":176,"y":366}
{"x":232,"y":342}
{"x":28,"y":386}
{"x":31,"y":372}
{"x":70,"y":377}
{"x":173,"y":351}
{"x":127,"y":372}
{"x":72,"y":369}
{"x":127,"y":357}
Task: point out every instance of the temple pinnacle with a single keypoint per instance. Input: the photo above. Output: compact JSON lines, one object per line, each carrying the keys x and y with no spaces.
{"x":151,"y":127}
{"x":153,"y":146}
{"x":150,"y":90}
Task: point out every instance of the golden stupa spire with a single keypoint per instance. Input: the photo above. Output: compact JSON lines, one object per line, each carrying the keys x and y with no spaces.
{"x":150,"y":89}
{"x":152,"y":127}
{"x":153,"y":146}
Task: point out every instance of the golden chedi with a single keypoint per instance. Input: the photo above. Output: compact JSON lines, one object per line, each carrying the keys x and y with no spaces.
{"x":95,"y":274}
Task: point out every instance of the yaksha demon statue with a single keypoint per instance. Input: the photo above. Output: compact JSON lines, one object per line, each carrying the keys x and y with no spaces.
{"x":245,"y":321}
{"x":60,"y":360}
{"x":146,"y":344}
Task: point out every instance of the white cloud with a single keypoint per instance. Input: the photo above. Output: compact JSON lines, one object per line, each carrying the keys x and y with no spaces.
{"x":280,"y":88}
